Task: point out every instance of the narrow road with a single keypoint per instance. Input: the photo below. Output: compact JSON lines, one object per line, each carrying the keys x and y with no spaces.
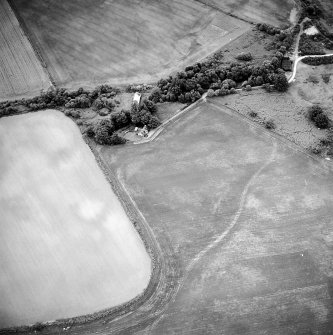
{"x":299,"y":58}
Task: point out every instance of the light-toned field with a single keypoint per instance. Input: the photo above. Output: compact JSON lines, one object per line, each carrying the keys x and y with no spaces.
{"x":21,"y":73}
{"x":275,"y":12}
{"x":124,"y":41}
{"x":67,"y":247}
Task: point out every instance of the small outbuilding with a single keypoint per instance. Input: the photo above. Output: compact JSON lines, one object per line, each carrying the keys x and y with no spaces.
{"x":137,"y":98}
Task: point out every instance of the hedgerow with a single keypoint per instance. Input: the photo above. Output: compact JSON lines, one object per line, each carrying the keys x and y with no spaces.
{"x":315,"y":61}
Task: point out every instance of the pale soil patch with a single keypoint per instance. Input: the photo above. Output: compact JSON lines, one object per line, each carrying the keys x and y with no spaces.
{"x":310,"y":87}
{"x":67,"y":247}
{"x":311,"y":31}
{"x":120,"y":42}
{"x":21,"y":73}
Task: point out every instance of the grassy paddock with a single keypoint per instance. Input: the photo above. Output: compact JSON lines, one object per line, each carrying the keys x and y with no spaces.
{"x":246,"y":218}
{"x":89,"y":42}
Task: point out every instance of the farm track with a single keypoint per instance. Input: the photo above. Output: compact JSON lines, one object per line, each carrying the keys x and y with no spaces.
{"x":209,"y":4}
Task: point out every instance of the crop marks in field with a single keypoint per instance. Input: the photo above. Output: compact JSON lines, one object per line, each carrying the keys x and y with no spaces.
{"x":87,"y":42}
{"x":20,"y":70}
{"x":246,"y":217}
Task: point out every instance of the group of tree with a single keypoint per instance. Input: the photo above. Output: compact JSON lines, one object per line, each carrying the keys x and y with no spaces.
{"x":283,"y":40}
{"x":318,"y":117}
{"x":269,"y":29}
{"x":59,"y":97}
{"x":307,"y":46}
{"x":104,"y":132}
{"x":310,"y":8}
{"x":188,"y":86}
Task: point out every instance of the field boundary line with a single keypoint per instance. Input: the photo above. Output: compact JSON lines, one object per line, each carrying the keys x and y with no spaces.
{"x":224,"y":12}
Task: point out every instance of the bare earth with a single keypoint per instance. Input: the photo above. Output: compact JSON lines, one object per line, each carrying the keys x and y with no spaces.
{"x":67,"y":248}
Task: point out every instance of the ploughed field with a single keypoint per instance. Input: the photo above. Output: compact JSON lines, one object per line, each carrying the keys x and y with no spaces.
{"x":67,"y":247}
{"x":85,"y":42}
{"x":21,"y":73}
{"x":245,"y":224}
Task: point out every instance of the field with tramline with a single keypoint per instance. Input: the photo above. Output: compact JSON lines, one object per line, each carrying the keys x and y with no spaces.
{"x":21,"y":73}
{"x":67,"y":247}
{"x":85,"y":42}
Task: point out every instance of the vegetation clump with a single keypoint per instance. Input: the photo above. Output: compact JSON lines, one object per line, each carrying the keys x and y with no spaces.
{"x":141,"y":115}
{"x":270,"y":124}
{"x":307,"y":46}
{"x":244,"y":56}
{"x":317,"y":116}
{"x":281,"y":82}
{"x":316,"y":61}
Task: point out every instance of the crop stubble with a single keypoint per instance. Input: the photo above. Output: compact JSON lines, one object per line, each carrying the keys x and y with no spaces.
{"x":21,"y":73}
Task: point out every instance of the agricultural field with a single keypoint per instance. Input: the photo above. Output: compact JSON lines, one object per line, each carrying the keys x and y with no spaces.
{"x":244,"y":222}
{"x":21,"y":73}
{"x":85,"y":43}
{"x":255,"y":42}
{"x":276,"y":12}
{"x":67,"y":247}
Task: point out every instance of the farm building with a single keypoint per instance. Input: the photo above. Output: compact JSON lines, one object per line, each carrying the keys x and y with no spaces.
{"x":137,"y":98}
{"x":287,"y":64}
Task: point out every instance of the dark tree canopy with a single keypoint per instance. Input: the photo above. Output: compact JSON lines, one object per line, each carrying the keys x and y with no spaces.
{"x":281,"y":82}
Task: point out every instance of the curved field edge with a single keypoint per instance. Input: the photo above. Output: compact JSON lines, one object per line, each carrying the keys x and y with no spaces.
{"x":151,"y":246}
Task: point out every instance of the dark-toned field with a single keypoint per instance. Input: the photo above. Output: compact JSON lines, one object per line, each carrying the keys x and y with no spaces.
{"x":245,"y":221}
{"x":89,"y":42}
